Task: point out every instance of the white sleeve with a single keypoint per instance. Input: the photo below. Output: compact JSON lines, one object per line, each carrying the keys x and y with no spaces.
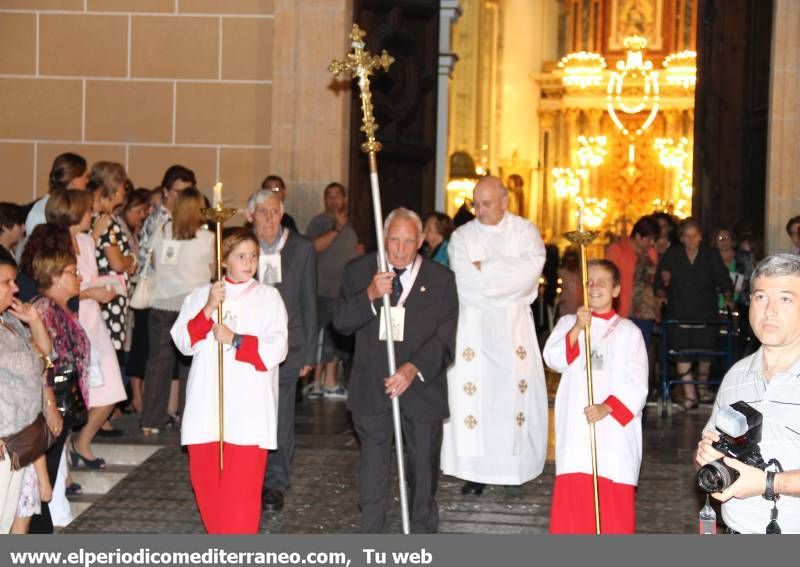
{"x":515,"y":277}
{"x":180,"y":331}
{"x":630,"y":387}
{"x":273,"y":334}
{"x":555,"y":349}
{"x":468,"y":277}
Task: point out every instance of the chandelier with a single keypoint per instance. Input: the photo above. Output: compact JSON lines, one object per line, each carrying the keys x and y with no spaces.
{"x":591,"y":150}
{"x":582,"y":69}
{"x":633,"y":67}
{"x":681,"y":69}
{"x":677,"y":157}
{"x":591,"y":211}
{"x":567,"y":181}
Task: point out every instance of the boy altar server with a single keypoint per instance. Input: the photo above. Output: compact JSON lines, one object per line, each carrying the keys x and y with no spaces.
{"x":619,"y":372}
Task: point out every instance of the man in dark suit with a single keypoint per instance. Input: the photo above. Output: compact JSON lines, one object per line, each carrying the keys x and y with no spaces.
{"x":427,"y":292}
{"x":288,"y":262}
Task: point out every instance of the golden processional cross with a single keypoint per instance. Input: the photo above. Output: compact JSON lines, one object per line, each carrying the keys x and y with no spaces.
{"x":360,"y":64}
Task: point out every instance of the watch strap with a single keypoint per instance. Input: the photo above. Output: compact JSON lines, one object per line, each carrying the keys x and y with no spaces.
{"x":236,"y":342}
{"x":769,"y":491}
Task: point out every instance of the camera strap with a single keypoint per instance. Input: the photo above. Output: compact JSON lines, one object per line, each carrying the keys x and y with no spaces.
{"x":773,"y":528}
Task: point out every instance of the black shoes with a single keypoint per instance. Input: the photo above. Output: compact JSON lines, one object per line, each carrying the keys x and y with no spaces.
{"x":273,"y":500}
{"x":110,"y":433}
{"x":475,"y":488}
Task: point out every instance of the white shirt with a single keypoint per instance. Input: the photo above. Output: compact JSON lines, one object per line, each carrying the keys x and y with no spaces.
{"x":779,"y":402}
{"x":192,"y":268}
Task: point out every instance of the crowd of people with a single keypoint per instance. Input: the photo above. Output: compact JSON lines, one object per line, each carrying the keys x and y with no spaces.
{"x":108,"y":302}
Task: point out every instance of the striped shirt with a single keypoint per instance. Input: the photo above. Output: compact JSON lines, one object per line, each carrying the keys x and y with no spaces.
{"x":779,"y":402}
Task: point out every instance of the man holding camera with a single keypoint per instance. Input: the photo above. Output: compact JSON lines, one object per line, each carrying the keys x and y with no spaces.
{"x":769,"y":381}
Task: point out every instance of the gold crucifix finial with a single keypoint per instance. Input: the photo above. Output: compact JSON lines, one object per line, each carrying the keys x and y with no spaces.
{"x":361,"y":64}
{"x":357,"y":34}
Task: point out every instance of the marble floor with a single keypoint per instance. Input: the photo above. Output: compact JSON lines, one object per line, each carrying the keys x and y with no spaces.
{"x":156,"y":496}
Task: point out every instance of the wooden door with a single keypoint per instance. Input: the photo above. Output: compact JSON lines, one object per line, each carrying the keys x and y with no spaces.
{"x":405,"y":109}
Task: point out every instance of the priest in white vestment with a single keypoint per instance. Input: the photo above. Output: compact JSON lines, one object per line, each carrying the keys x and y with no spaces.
{"x":497,"y":431}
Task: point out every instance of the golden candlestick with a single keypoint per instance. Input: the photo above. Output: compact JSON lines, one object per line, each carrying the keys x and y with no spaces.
{"x":583,"y":237}
{"x":361,"y":64}
{"x":218,"y":215}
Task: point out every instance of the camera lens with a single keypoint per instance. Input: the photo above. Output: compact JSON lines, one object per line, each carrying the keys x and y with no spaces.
{"x":716,"y":476}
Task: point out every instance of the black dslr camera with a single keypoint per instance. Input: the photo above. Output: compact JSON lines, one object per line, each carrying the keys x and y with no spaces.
{"x":739,"y":427}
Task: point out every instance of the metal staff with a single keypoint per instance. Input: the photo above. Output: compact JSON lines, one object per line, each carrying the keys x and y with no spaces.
{"x":361,"y":64}
{"x":219,"y":215}
{"x":582,"y":238}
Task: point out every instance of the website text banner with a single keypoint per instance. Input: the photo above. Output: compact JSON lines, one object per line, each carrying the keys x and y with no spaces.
{"x":393,"y":551}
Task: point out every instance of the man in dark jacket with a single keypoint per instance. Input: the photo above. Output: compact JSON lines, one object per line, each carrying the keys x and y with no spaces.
{"x":288,"y":262}
{"x":424,"y":318}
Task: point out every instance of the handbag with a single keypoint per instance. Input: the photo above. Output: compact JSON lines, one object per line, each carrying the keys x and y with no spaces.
{"x":29,"y":444}
{"x":140,"y":299}
{"x":69,"y":399}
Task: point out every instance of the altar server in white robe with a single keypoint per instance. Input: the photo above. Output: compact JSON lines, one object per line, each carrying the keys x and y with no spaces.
{"x":497,"y":431}
{"x":255,"y":339}
{"x":619,"y":376}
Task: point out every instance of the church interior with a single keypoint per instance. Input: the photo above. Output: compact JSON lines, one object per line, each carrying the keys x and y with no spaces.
{"x":593,"y":113}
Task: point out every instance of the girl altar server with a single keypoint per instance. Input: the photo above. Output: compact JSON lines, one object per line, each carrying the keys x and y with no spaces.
{"x":619,"y":372}
{"x":255,"y":337}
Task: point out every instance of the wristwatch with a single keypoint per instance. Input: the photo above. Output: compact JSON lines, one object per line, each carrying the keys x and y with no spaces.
{"x":769,"y":491}
{"x":236,"y":342}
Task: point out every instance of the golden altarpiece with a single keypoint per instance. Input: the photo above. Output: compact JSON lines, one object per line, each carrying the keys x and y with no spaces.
{"x":613,"y":109}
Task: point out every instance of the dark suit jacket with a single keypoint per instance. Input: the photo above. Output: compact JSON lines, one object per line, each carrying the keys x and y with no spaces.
{"x":298,"y":289}
{"x":430,"y":338}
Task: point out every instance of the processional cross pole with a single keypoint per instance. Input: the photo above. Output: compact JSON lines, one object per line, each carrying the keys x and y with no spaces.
{"x":582,"y":238}
{"x":218,"y":215}
{"x":360,"y":64}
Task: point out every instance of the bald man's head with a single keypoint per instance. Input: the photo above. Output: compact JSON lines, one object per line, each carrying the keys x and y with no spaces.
{"x":490,"y":199}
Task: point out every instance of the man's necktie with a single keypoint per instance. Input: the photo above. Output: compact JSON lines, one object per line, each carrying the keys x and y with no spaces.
{"x":397,"y":287}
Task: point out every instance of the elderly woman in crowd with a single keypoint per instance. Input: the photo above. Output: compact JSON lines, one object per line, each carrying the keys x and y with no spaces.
{"x":690,"y":277}
{"x":113,"y":250}
{"x":183,"y":261}
{"x":437,"y":231}
{"x":23,"y":339}
{"x":56,"y":273}
{"x":73,"y":210}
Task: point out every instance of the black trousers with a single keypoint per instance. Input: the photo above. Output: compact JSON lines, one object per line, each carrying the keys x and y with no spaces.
{"x":43,"y":523}
{"x":423,"y":442}
{"x":161,"y":366}
{"x":277,"y":477}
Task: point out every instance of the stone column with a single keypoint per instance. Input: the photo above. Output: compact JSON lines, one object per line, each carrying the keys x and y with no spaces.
{"x":672,"y":130}
{"x":783,"y":153}
{"x":311,"y":114}
{"x":544,"y":206}
{"x":449,"y":12}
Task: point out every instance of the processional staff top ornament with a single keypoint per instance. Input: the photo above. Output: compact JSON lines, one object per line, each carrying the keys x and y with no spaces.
{"x":361,"y":64}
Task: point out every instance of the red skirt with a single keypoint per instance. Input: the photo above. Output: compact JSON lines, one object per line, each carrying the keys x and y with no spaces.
{"x":229,"y":503}
{"x":572,"y":511}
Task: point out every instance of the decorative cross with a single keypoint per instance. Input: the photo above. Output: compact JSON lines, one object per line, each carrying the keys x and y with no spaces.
{"x":520,"y":419}
{"x":361,"y":64}
{"x":470,"y":388}
{"x":469,"y":354}
{"x":523,"y":386}
{"x":521,"y":353}
{"x":470,"y":422}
